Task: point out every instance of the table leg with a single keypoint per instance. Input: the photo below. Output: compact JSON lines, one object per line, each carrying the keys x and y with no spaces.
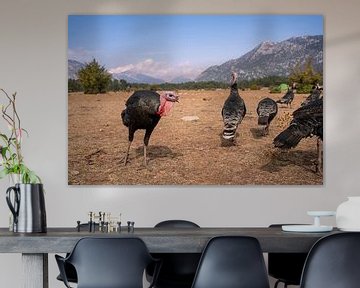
{"x":35,"y":270}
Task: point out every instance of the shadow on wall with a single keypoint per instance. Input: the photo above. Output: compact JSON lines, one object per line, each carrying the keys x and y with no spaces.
{"x":139,"y":7}
{"x":344,"y":39}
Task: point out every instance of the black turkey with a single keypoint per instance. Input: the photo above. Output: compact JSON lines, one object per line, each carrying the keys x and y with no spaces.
{"x":143,"y":111}
{"x":233,"y":110}
{"x":288,"y":97}
{"x":315,"y":95}
{"x":266,"y":110}
{"x":307,"y":122}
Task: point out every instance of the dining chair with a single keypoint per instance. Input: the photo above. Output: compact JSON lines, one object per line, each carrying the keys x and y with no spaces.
{"x":285,"y":267}
{"x":108,"y":263}
{"x":178,"y":269}
{"x":333,"y":262}
{"x":69,"y":269}
{"x":231,"y":262}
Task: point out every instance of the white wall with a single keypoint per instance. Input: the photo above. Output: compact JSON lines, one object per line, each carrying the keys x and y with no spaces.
{"x":33,"y":62}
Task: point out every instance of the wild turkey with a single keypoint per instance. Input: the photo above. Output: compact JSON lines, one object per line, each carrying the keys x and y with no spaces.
{"x":307,"y":122}
{"x":143,"y":111}
{"x":267,"y":110}
{"x":315,"y":95}
{"x":288,"y":97}
{"x":233,"y":110}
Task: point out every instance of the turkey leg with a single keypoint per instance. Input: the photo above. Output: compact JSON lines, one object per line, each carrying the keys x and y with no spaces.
{"x":148,"y":132}
{"x":127,"y":154}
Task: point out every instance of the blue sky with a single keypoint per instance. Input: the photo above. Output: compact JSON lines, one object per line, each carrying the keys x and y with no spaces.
{"x":166,"y":46}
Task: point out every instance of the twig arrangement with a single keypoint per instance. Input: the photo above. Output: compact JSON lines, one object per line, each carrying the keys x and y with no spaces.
{"x":11,"y":159}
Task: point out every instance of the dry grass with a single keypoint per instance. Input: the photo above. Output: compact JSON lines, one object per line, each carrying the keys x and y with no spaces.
{"x":183,"y":152}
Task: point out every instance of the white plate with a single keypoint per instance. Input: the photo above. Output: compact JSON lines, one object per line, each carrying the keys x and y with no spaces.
{"x":321,"y":213}
{"x":350,"y":229}
{"x":306,"y":228}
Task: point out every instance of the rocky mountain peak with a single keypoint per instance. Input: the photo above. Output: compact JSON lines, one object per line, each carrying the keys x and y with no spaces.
{"x":270,"y":59}
{"x":265,"y":47}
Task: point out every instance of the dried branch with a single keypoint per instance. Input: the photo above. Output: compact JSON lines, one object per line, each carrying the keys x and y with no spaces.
{"x":12,"y":161}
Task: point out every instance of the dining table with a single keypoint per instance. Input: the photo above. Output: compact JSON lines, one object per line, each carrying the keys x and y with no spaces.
{"x":35,"y":247}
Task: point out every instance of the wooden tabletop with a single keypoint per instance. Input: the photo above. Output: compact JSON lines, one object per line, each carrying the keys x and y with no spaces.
{"x":158,"y":240}
{"x":35,"y":247}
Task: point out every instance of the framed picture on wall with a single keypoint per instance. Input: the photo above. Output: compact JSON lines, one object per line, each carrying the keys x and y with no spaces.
{"x":195,"y":99}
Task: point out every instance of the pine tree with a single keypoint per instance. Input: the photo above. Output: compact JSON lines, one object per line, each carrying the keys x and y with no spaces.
{"x":305,"y":77}
{"x":94,"y":78}
{"x":74,"y":85}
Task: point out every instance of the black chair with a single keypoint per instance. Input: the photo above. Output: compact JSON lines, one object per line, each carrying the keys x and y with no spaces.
{"x":178,"y":269}
{"x":286,"y":267}
{"x":69,"y":269}
{"x":232,"y":261}
{"x":108,"y":263}
{"x":333,"y":262}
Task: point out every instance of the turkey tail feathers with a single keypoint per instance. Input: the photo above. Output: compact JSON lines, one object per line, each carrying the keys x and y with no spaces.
{"x":230,"y":126}
{"x":229,"y":131}
{"x":289,"y":138}
{"x":263,"y":120}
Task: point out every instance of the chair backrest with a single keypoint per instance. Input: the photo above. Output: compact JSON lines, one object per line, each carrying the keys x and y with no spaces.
{"x":178,"y":269}
{"x":110,"y":262}
{"x":287,"y":267}
{"x":333,"y":262}
{"x":232,"y":262}
{"x":176,"y":224}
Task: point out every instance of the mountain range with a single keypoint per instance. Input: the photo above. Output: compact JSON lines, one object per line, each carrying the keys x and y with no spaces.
{"x":73,"y":67}
{"x":270,"y":59}
{"x":135,"y":77}
{"x":266,"y":59}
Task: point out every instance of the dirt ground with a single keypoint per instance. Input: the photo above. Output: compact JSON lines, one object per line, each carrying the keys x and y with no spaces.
{"x":183,"y":152}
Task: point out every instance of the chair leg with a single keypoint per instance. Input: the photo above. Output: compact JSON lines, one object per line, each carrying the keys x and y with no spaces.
{"x":279,"y":281}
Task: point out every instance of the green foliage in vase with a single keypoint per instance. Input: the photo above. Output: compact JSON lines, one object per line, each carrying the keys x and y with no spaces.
{"x":11,"y":159}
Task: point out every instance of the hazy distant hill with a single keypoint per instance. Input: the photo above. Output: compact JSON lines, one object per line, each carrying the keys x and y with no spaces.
{"x":129,"y":76}
{"x":134,"y":77}
{"x":73,"y":67}
{"x":181,"y":79}
{"x":269,"y":59}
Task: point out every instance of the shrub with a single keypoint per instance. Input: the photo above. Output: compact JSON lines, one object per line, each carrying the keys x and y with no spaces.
{"x":254,"y":87}
{"x":94,"y":78}
{"x":275,"y":89}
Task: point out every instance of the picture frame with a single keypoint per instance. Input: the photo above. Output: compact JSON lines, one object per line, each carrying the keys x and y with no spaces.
{"x":196,"y":58}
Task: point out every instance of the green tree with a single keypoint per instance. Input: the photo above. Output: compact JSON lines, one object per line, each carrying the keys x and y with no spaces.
{"x":305,"y":77}
{"x":123,"y":85}
{"x":94,"y":78}
{"x":74,"y":85}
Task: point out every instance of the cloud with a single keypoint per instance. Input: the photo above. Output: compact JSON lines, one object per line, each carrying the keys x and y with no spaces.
{"x":148,"y":66}
{"x":189,"y":70}
{"x":160,"y":70}
{"x":121,"y":69}
{"x":81,"y":54}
